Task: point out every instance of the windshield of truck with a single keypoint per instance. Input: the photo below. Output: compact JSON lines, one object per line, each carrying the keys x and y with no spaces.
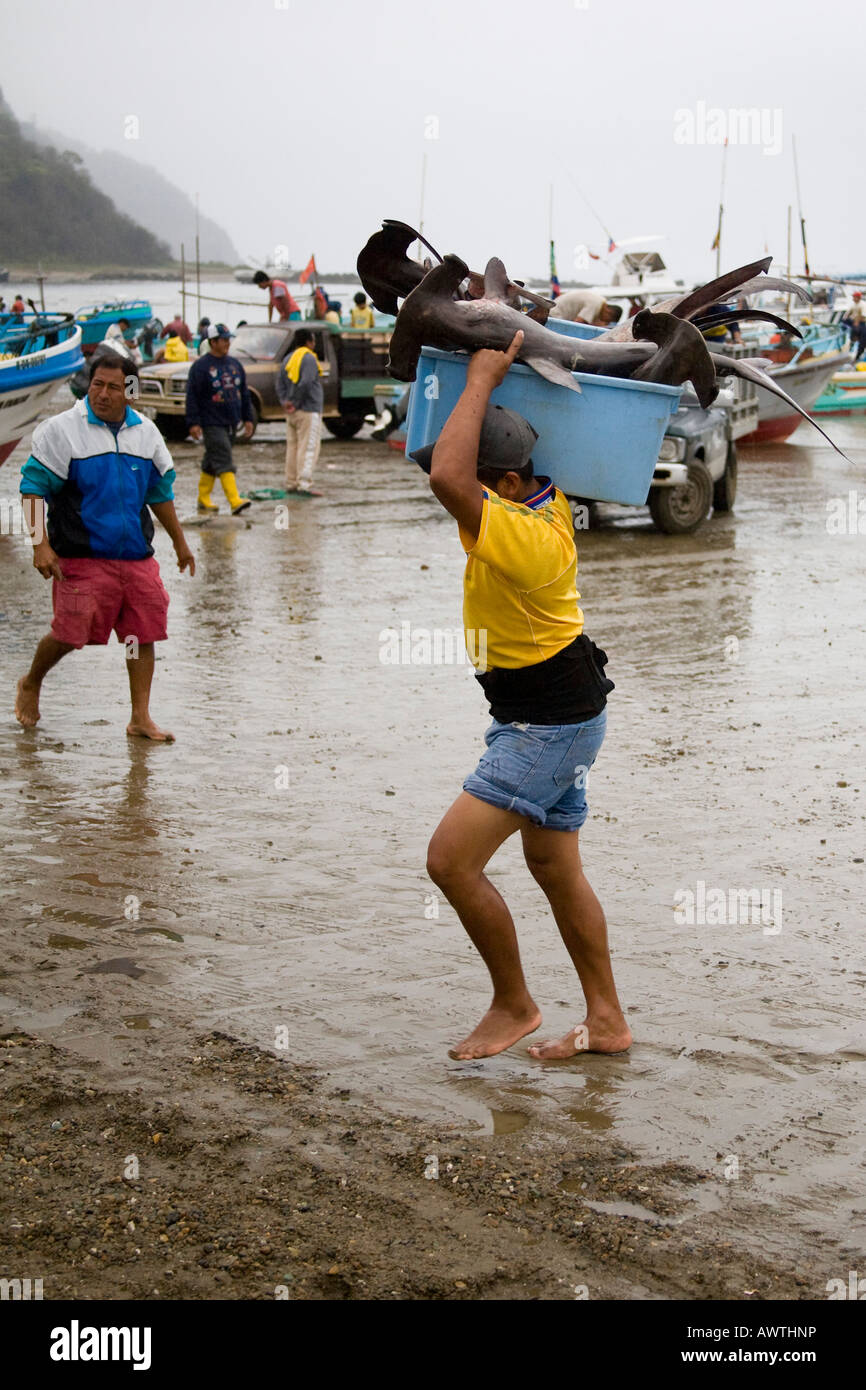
{"x":264,"y":342}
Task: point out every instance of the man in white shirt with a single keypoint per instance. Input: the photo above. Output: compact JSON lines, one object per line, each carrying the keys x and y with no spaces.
{"x":585,"y":306}
{"x":115,"y":337}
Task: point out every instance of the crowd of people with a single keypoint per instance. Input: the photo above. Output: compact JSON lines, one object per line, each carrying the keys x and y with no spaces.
{"x":218,"y":403}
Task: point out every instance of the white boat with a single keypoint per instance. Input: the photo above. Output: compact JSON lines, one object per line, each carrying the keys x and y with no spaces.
{"x":803,"y":371}
{"x":37,"y":352}
{"x":244,"y":273}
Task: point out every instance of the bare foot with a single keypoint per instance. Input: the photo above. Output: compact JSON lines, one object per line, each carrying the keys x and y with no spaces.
{"x":27,"y":703}
{"x":611,"y":1037}
{"x":145,"y":728}
{"x":498,"y":1029}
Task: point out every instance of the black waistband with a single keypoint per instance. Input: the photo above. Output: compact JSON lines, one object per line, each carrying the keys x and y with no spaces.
{"x":567,"y":688}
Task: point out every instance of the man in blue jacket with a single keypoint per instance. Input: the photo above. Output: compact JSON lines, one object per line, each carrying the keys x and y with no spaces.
{"x":102,"y":469}
{"x":217,"y":400}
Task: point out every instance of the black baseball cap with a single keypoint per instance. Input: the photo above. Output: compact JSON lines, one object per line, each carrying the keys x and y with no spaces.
{"x":506,"y":442}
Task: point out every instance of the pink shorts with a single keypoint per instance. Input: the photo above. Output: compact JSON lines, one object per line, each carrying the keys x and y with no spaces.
{"x":97,"y":596}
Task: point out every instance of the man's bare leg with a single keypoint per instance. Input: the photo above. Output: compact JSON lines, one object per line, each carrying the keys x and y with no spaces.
{"x":466,"y":838}
{"x":140,"y":681}
{"x":47,"y":654}
{"x":553,"y":858}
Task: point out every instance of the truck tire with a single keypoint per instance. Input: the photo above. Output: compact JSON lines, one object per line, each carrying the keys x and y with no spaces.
{"x":172,"y":427}
{"x":343,"y":426}
{"x":725,"y":488}
{"x":677,"y":510}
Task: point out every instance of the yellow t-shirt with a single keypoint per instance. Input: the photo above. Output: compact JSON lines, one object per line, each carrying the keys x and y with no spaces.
{"x":362,"y":317}
{"x":520,"y":598}
{"x":176,"y":350}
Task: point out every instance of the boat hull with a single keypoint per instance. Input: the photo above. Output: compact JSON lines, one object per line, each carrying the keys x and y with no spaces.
{"x":804,"y":383}
{"x":27,"y":384}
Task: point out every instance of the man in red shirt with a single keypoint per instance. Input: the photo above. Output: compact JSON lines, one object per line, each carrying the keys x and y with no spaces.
{"x":279,"y":299}
{"x":177,"y":329}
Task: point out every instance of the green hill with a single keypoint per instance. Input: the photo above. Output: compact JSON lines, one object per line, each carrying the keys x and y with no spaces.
{"x":51,"y":212}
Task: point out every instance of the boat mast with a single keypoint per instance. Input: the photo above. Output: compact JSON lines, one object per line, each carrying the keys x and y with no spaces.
{"x":800,"y":207}
{"x":421,"y":209}
{"x":183,"y":283}
{"x":788,"y":297}
{"x":197,"y":265}
{"x":717,"y":244}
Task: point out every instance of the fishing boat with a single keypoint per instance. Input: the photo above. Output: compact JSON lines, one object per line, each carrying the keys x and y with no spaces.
{"x":37,"y":353}
{"x":94,"y":319}
{"x":844,"y":394}
{"x":804,"y":371}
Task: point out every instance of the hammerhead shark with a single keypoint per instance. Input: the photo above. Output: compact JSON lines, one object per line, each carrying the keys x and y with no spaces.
{"x":449,"y":306}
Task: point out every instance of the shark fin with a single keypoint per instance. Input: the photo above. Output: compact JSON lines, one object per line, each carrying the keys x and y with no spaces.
{"x":551,"y":371}
{"x":711,"y":318}
{"x":722,"y":288}
{"x":771,"y":282}
{"x":404,"y":349}
{"x":750,"y":369}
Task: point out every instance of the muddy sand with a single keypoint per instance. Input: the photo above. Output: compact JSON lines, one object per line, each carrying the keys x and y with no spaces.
{"x":228,"y":988}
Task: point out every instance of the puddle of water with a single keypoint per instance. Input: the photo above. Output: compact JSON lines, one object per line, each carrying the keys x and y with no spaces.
{"x":591,"y":1119}
{"x":137,"y":1021}
{"x":506,"y":1121}
{"x":83,"y":919}
{"x":700,"y":1201}
{"x":120,"y":965}
{"x":632,"y":1209}
{"x":94,"y":880}
{"x":67,"y":943}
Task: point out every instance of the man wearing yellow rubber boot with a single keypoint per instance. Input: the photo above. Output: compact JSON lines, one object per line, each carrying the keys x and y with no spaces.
{"x":217,"y":400}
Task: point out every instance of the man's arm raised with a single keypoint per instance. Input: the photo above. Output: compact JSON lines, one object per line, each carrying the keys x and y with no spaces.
{"x":453,"y":475}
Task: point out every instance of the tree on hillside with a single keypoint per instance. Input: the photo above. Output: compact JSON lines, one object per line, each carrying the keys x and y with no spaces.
{"x":50,"y":210}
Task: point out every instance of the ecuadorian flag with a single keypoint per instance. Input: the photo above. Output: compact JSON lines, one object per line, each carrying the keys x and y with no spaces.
{"x":555,"y":288}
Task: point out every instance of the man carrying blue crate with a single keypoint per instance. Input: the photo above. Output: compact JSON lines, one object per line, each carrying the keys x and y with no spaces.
{"x":547,"y":691}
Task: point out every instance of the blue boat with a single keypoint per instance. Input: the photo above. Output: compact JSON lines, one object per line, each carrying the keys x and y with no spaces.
{"x":37,"y":352}
{"x":94,"y":319}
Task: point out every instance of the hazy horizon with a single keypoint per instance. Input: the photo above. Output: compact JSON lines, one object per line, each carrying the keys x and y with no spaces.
{"x":302,"y":126}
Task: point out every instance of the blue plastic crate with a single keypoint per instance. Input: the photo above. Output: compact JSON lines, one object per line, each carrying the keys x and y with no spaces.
{"x":574,"y":330}
{"x":601,"y":444}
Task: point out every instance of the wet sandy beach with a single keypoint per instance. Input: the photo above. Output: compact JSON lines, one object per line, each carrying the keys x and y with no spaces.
{"x":263,"y":879}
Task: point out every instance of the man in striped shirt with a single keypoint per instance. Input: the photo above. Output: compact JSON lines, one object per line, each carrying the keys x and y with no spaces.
{"x":101,"y":468}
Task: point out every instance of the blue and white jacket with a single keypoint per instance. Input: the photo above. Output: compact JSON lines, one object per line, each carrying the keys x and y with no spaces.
{"x":99,"y":486}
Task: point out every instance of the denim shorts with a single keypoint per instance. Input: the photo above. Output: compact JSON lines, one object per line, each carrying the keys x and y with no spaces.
{"x":539,"y":770}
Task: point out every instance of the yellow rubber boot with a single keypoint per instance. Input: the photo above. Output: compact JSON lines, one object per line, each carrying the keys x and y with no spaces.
{"x":205,"y":484}
{"x":230,"y":488}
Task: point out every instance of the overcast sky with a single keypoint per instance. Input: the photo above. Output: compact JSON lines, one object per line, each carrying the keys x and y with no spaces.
{"x":305,"y":124}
